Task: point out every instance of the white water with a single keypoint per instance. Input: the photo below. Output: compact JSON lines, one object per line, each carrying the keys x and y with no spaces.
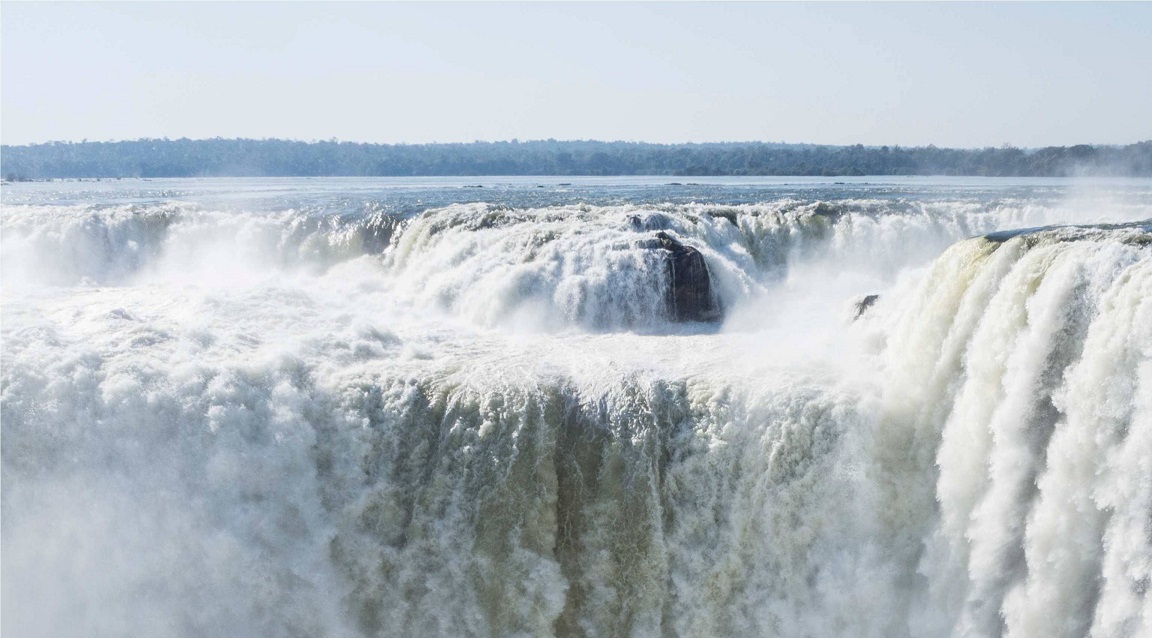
{"x":219,"y":422}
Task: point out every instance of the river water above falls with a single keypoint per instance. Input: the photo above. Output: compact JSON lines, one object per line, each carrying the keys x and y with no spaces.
{"x":325,"y":407}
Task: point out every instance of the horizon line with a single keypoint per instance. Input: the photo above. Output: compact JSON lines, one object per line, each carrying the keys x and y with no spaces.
{"x":554,"y":141}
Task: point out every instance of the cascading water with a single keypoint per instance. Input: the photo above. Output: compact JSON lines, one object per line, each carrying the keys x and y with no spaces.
{"x":286,"y":419}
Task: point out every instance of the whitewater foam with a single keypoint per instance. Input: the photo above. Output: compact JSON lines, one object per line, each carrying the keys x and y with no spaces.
{"x":264,"y":423}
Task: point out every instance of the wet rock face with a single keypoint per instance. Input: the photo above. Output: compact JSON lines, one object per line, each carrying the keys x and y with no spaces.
{"x":864,"y":304}
{"x":690,"y":296}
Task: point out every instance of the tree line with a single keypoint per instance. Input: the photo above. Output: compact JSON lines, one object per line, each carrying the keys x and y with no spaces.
{"x":287,"y":158}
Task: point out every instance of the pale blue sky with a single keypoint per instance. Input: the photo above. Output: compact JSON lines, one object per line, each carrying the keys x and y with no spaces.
{"x":968,"y":75}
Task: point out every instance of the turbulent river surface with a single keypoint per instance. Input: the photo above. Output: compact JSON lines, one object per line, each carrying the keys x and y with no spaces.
{"x":442,"y":407}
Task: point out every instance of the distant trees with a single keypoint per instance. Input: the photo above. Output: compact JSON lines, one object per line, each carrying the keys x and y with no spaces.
{"x":272,"y":157}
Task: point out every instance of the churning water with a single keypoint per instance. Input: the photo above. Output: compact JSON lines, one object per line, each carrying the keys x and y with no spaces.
{"x":388,"y":408}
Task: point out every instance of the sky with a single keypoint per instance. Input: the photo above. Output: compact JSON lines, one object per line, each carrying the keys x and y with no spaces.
{"x":950,"y":74}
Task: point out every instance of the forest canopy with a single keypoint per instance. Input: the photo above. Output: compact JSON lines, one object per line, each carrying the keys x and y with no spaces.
{"x":288,"y":158}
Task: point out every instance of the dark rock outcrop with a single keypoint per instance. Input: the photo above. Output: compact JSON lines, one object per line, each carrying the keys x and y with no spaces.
{"x":690,"y":296}
{"x":864,"y":304}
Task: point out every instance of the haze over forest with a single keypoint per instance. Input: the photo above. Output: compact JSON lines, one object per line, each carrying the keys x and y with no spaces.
{"x":287,"y":158}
